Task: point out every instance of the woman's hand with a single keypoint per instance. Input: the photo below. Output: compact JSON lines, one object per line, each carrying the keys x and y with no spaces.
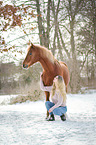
{"x":49,"y":110}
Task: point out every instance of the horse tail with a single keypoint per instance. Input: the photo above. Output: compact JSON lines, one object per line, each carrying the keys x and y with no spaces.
{"x":66,"y":83}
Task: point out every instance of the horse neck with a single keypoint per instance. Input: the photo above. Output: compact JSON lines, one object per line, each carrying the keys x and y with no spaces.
{"x":47,"y":65}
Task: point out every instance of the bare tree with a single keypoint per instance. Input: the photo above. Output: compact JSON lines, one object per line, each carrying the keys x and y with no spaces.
{"x":88,"y":45}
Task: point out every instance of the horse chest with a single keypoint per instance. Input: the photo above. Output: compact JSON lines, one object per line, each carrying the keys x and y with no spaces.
{"x":47,"y":80}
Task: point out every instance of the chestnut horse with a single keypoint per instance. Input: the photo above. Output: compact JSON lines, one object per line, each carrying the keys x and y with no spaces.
{"x":51,"y":66}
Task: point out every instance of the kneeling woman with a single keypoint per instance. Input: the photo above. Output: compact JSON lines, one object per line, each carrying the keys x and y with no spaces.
{"x":58,"y":97}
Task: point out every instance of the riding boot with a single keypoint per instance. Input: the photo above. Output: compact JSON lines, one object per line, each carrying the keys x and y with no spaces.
{"x":52,"y":118}
{"x":63,"y":117}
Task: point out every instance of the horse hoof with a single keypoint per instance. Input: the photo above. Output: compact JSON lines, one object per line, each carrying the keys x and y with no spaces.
{"x":47,"y":118}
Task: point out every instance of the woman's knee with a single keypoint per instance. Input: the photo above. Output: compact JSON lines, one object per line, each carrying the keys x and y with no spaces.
{"x":47,"y":103}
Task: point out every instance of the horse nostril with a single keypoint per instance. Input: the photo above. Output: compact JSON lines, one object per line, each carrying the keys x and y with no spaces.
{"x":23,"y":65}
{"x":26,"y":66}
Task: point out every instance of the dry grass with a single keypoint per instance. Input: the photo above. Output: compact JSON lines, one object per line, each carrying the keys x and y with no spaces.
{"x":31,"y":93}
{"x":21,"y":99}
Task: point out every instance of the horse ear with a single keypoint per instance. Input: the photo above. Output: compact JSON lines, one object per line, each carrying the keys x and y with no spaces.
{"x":31,"y":45}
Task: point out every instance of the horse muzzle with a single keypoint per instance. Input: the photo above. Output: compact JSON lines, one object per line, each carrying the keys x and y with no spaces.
{"x":25,"y":66}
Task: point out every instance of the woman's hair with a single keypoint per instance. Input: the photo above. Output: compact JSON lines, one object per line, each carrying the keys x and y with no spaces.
{"x":61,"y":87}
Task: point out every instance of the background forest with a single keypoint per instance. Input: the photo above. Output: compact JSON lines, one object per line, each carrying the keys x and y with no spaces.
{"x":66,"y":27}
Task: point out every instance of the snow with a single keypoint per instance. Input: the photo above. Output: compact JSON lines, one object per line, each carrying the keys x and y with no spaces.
{"x":25,"y":124}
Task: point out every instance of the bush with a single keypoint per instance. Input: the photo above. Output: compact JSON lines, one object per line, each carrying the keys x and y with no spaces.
{"x":23,"y":98}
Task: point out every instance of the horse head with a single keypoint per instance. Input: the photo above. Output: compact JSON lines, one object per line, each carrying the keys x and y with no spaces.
{"x":31,"y":57}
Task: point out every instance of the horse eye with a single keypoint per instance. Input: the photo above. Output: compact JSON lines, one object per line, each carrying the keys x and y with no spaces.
{"x":30,"y":53}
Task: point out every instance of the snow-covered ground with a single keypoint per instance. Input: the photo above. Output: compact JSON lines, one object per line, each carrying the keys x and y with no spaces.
{"x":25,"y":124}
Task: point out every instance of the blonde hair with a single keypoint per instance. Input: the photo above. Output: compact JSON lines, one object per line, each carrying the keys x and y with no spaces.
{"x":61,"y":88}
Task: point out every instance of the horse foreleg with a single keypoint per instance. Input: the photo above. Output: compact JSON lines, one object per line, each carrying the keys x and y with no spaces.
{"x":47,"y":99}
{"x":66,"y":89}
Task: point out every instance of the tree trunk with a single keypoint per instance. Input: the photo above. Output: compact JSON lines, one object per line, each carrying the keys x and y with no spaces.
{"x":48,"y":24}
{"x":40,"y":26}
{"x":75,"y":75}
{"x":43,"y":33}
{"x":55,"y":14}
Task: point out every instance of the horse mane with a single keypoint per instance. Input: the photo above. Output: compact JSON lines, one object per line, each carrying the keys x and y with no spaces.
{"x":46,"y":53}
